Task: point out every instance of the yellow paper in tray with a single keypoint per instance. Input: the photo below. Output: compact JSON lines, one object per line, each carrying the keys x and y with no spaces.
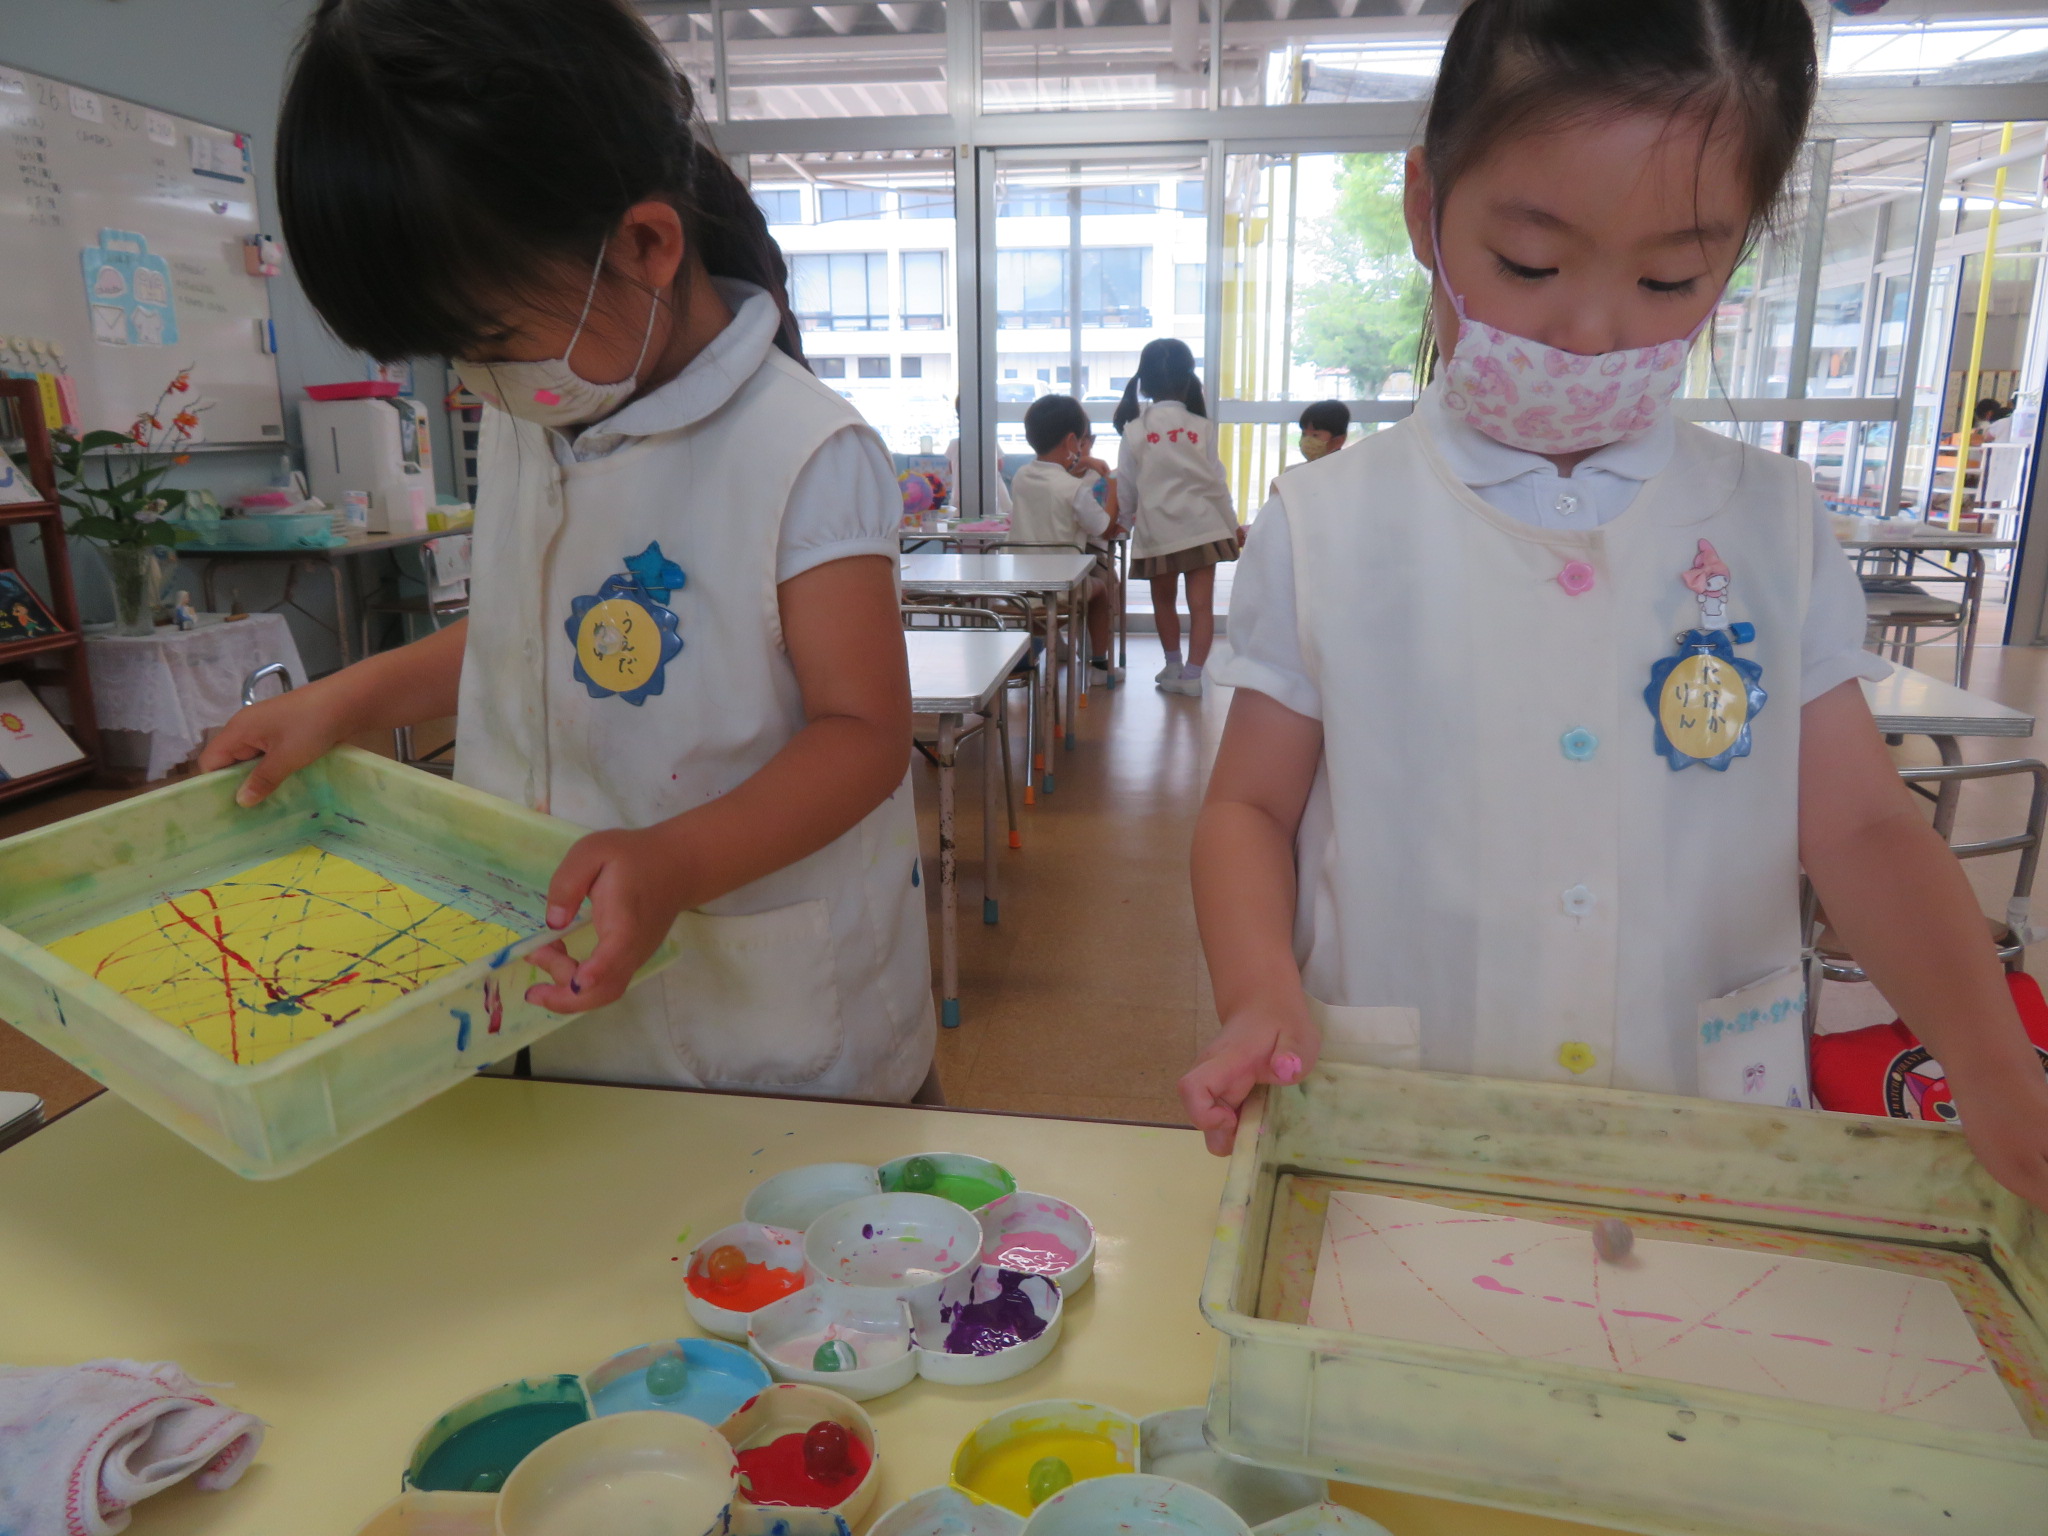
{"x":277,"y":955}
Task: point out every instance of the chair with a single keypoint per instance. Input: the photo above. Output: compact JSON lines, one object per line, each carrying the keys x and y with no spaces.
{"x":1896,"y":611}
{"x":1829,"y":960}
{"x":917,"y":615}
{"x":444,"y":570}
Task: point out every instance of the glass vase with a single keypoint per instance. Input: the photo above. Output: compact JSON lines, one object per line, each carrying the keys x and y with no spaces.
{"x":138,"y":577}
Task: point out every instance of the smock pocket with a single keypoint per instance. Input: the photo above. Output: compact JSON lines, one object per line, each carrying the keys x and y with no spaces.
{"x":1369,"y":1037}
{"x":753,"y":1000}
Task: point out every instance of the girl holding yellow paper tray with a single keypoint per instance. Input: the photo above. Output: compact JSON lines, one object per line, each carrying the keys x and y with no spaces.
{"x":684,"y":627}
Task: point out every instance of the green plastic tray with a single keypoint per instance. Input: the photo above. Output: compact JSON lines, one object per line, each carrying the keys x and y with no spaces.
{"x":276,"y":1117}
{"x":1629,"y":1452}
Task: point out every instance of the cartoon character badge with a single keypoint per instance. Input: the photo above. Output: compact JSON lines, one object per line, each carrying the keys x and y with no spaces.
{"x":624,"y":636}
{"x":1705,"y":696}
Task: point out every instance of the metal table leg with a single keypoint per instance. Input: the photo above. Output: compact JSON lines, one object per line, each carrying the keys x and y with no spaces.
{"x":949,"y":874}
{"x":991,"y":774}
{"x":1077,"y":666}
{"x":1049,"y":682}
{"x":1123,"y":602}
{"x":334,"y":569}
{"x":1973,"y":602}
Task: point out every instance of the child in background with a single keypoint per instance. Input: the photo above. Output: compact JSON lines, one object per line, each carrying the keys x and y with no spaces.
{"x":1170,"y":478}
{"x":1324,"y":426}
{"x":685,"y":628}
{"x":1473,"y":811}
{"x":1002,"y":509}
{"x":1053,"y":501}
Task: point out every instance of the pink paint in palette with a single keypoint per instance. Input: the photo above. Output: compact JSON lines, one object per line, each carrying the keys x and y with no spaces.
{"x":1033,"y":1253}
{"x":1848,"y":1335}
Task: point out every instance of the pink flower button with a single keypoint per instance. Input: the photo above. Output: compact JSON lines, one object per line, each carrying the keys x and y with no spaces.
{"x":1576,"y":577}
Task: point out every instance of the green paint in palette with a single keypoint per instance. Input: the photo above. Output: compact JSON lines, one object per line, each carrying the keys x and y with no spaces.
{"x":922,"y":1176}
{"x":478,"y":1457}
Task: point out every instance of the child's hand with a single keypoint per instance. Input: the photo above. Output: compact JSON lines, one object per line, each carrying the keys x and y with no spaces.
{"x":1095,"y":464}
{"x":635,"y":884}
{"x":1253,"y":1048}
{"x":2006,"y":1123}
{"x":287,"y":732}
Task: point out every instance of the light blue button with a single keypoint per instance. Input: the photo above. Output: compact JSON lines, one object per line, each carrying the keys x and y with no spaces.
{"x":1579,"y":745}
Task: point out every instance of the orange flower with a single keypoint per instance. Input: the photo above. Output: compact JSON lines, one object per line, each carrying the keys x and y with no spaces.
{"x":139,"y":433}
{"x":185,"y":421}
{"x":181,"y":458}
{"x":182,"y":383}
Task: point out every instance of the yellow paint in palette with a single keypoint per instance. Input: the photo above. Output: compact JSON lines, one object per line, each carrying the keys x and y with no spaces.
{"x":1002,"y":1475}
{"x":257,"y":963}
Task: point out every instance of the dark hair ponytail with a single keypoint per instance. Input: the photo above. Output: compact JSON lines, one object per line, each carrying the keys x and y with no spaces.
{"x":1745,"y":67}
{"x":1166,"y":371}
{"x":437,"y":157}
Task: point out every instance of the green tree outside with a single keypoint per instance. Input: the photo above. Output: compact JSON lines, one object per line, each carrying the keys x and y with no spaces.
{"x":1363,"y":313}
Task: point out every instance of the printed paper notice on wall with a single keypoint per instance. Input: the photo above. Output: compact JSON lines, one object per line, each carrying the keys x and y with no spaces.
{"x":12,"y":84}
{"x":220,"y":157}
{"x":160,"y":128}
{"x":84,"y":104}
{"x":129,"y":291}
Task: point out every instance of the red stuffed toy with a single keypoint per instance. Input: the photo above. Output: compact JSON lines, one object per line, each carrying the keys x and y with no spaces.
{"x":1883,"y":1070}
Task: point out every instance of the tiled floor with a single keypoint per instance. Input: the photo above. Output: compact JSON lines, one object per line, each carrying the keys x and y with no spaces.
{"x":1090,"y":997}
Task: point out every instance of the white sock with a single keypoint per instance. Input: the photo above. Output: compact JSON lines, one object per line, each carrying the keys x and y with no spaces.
{"x":1188,"y":672}
{"x":1173,"y":657}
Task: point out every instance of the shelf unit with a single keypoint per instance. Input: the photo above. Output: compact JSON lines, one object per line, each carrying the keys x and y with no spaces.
{"x":58,"y":658}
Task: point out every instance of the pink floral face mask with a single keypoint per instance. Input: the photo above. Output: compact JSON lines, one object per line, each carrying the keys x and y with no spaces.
{"x":1543,"y":399}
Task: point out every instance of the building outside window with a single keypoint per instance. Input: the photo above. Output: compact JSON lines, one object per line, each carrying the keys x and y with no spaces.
{"x":1187,"y":287}
{"x":829,"y":367}
{"x":840,"y":291}
{"x":913,"y":368}
{"x":873,"y":367}
{"x":924,"y":290}
{"x":836,"y":204}
{"x":781,"y":205}
{"x":925,"y":203}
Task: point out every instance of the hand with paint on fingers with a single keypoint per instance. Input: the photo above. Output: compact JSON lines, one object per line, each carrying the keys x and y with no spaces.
{"x":286,"y":732}
{"x":1268,"y":1045}
{"x":636,"y":883}
{"x":2006,"y":1123}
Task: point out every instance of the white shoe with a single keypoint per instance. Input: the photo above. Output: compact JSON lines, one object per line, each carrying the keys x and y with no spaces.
{"x":1191,"y":686}
{"x":1167,"y":673}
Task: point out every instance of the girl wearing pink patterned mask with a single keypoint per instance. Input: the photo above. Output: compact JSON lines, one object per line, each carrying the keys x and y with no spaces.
{"x":1544,"y":698}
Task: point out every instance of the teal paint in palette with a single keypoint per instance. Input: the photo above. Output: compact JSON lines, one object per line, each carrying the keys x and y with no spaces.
{"x":474,"y":1446}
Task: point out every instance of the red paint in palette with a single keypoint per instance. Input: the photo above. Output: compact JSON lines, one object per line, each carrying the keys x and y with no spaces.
{"x":748,"y":1289}
{"x":779,"y":1472}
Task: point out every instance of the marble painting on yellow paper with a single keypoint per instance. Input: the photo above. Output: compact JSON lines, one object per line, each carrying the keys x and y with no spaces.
{"x":257,"y":963}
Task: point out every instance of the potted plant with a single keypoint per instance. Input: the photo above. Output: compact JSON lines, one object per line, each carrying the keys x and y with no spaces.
{"x":125,"y":512}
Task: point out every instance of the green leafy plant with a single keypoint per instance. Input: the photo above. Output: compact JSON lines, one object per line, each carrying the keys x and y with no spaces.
{"x":124,"y":501}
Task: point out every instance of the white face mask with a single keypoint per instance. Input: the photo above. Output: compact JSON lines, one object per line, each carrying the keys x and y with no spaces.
{"x":548,"y":390}
{"x":1543,"y":399}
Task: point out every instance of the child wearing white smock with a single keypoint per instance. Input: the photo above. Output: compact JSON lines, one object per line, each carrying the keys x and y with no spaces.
{"x":815,"y":978}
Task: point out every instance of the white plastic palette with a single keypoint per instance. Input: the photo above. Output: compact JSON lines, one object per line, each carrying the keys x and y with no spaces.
{"x":1208,"y":1494}
{"x":902,"y":1280}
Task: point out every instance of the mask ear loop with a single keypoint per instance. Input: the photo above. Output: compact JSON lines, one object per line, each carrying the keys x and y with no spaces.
{"x":590,"y":298}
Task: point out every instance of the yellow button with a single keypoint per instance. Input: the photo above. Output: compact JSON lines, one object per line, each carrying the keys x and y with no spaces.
{"x":1576,"y":1056}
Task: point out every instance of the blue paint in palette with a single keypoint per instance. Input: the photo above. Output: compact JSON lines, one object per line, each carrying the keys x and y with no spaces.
{"x":720,"y":1379}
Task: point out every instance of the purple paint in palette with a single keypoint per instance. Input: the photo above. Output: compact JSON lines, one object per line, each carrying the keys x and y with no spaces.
{"x":1004,"y":1321}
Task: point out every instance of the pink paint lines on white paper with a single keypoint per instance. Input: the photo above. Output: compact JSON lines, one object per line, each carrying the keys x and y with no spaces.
{"x":1846,"y":1335}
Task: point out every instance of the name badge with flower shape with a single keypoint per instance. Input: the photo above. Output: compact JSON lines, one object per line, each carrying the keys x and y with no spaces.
{"x":1704,"y":697}
{"x":625,"y":636}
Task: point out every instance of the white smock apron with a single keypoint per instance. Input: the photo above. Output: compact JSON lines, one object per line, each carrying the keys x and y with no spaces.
{"x":814,"y":979}
{"x":1500,"y":873}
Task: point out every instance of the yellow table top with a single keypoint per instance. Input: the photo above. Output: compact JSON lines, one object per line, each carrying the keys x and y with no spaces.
{"x":513,"y":1229}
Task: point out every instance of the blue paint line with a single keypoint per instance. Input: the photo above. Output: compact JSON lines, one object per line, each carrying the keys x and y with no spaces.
{"x":461,"y":1016}
{"x":501,"y":957}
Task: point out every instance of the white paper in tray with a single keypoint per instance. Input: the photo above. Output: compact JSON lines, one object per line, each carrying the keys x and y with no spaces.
{"x":1846,"y":1335}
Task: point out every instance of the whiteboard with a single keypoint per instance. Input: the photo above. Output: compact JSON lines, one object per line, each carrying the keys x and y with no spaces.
{"x":175,"y":198}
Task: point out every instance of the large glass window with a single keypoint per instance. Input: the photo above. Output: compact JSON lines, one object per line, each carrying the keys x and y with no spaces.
{"x":780,"y":205}
{"x":1060,"y":55}
{"x":840,"y":291}
{"x":892,"y":300}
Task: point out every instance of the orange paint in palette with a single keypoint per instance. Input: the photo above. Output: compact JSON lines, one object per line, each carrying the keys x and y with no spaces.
{"x":726,"y":1277}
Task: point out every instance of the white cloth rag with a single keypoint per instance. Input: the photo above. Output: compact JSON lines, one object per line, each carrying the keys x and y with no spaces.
{"x":80,"y":1444}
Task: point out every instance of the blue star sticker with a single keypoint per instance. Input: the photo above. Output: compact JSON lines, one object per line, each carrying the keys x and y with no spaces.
{"x":657,"y":574}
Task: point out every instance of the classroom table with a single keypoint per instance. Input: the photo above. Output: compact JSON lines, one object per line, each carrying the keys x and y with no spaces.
{"x":955,"y":673}
{"x":340,"y":572}
{"x":513,"y":1228}
{"x":1910,"y":703}
{"x":1051,"y":576}
{"x":949,"y":536}
{"x":1912,"y":541}
{"x":164,"y":692}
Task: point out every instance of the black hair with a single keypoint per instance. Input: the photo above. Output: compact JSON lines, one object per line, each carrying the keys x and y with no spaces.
{"x":1989,"y":409}
{"x":1514,"y":66}
{"x":1166,"y":371}
{"x":436,"y":158}
{"x":1051,"y":419}
{"x":1331,"y":416}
